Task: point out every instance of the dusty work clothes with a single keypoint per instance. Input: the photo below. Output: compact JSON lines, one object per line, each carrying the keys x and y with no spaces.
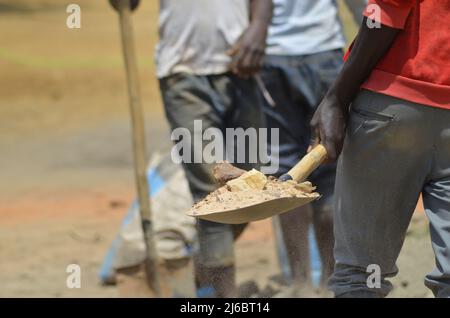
{"x":221,"y":101}
{"x":394,"y":151}
{"x":304,"y":56}
{"x":297,"y":84}
{"x":416,"y":67}
{"x":304,"y":27}
{"x":196,"y":34}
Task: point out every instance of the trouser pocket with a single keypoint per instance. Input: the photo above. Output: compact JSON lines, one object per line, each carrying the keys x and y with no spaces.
{"x":366,"y":114}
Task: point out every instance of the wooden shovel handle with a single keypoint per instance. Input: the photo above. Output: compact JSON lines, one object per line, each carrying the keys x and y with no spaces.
{"x":307,"y":165}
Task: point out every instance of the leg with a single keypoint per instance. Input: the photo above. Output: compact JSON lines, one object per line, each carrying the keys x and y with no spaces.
{"x":215,"y":262}
{"x":241,"y":109}
{"x":245,"y":113}
{"x":188,"y":98}
{"x":297,"y":85}
{"x":295,"y":226}
{"x":436,"y":197}
{"x":381,"y":171}
{"x":290,"y":120}
{"x":325,"y":67}
{"x":323,"y":228}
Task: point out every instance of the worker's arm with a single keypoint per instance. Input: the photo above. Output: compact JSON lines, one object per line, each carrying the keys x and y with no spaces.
{"x":371,"y":44}
{"x":248,"y":52}
{"x":115,"y":4}
{"x":330,"y":120}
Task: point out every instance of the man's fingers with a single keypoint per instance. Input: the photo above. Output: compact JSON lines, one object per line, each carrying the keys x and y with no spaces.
{"x":236,"y":65}
{"x":246,"y":60}
{"x":235,"y":47}
{"x":248,"y":64}
{"x":331,"y":149}
{"x":314,"y":124}
{"x":240,"y":66}
{"x":315,"y":136}
{"x":258,"y":57}
{"x":315,"y":139}
{"x":329,"y":143}
{"x":233,"y":50}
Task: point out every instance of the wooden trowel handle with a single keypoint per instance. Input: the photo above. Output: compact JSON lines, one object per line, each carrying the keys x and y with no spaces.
{"x":307,"y":165}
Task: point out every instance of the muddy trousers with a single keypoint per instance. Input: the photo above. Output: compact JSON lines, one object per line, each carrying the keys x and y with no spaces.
{"x":297,"y":84}
{"x":394,"y":151}
{"x":216,"y":101}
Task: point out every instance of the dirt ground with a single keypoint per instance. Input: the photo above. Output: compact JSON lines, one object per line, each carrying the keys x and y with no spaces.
{"x":65,"y":161}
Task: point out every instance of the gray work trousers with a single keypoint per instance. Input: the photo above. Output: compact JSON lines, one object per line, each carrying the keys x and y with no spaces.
{"x":394,"y":151}
{"x":219,"y":101}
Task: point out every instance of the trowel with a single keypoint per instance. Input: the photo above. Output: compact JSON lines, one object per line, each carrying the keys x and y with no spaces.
{"x":266,"y":209}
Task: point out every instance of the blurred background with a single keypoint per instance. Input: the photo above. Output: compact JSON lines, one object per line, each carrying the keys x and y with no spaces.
{"x":66,"y":175}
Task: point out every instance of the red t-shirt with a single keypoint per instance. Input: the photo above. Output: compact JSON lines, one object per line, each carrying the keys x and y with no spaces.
{"x":417,"y":66}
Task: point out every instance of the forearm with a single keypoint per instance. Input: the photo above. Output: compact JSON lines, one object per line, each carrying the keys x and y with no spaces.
{"x":261,"y":12}
{"x":370,"y":46}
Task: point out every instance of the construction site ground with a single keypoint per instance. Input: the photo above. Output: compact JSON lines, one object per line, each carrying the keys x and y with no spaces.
{"x":65,"y":154}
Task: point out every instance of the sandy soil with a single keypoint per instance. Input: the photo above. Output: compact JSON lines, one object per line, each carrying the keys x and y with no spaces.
{"x":65,"y":162}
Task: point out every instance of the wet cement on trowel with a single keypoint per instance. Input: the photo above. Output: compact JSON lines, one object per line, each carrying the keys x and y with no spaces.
{"x":223,"y":199}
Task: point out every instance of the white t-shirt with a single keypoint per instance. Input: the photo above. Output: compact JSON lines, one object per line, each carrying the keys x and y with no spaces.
{"x":195,"y":35}
{"x":301,"y":27}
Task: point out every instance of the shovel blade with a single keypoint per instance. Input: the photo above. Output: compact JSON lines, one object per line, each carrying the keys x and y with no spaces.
{"x":260,"y":211}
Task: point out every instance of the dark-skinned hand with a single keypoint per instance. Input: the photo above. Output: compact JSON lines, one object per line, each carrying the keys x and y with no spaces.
{"x":248,"y":52}
{"x":329,"y":122}
{"x":329,"y":125}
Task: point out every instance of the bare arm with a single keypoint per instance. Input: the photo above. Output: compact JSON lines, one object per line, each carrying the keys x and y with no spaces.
{"x":261,"y":11}
{"x":370,"y":46}
{"x":329,"y":121}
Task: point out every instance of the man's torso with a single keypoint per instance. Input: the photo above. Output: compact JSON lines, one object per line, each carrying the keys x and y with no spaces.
{"x":301,"y":27}
{"x":195,"y":35}
{"x":417,"y":66}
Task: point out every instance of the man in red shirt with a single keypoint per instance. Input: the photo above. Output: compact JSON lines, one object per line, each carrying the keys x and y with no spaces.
{"x":389,"y":114}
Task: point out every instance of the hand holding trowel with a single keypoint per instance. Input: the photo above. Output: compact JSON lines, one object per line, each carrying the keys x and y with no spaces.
{"x":251,"y":196}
